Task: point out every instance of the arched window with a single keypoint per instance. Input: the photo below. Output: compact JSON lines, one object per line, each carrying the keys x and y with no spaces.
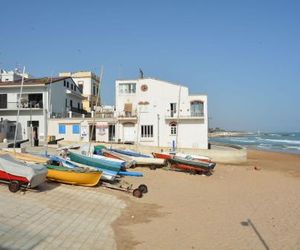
{"x":197,"y":108}
{"x":173,"y":128}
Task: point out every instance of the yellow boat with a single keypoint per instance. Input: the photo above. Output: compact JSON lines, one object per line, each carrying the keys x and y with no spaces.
{"x":26,"y":157}
{"x":74,"y":177}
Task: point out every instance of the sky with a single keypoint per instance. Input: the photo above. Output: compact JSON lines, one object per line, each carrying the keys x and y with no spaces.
{"x":245,"y":55}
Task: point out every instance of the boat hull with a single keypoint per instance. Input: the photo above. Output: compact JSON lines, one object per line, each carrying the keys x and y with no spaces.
{"x":10,"y":177}
{"x":191,"y":165}
{"x":88,"y":179}
{"x":93,"y":162}
{"x":162,"y":156}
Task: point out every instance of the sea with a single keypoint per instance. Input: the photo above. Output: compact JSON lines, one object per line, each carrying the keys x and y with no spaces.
{"x":279,"y":142}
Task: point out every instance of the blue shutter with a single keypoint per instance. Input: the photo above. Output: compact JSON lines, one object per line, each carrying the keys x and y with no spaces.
{"x":61,"y":128}
{"x":75,"y":129}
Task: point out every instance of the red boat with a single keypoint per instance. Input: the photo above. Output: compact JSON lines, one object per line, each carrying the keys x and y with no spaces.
{"x":19,"y":174}
{"x":109,"y":155}
{"x":162,"y":155}
{"x":193,"y":166}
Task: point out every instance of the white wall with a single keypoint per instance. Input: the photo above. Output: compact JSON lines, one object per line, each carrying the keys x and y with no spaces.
{"x":159,"y":95}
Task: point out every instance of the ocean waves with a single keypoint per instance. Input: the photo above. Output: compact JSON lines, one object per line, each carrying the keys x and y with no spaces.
{"x":286,"y":142}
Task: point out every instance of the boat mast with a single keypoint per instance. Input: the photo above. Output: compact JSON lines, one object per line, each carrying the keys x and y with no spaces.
{"x":94,"y":117}
{"x":18,"y":113}
{"x":46,"y":114}
{"x":177,"y":125}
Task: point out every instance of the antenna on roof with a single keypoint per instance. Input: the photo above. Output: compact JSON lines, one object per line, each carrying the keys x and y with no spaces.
{"x":141,"y":73}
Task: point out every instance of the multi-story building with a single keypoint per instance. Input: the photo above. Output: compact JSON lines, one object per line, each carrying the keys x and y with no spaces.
{"x":41,"y":98}
{"x":147,"y":112}
{"x":159,"y":113}
{"x":88,"y":82}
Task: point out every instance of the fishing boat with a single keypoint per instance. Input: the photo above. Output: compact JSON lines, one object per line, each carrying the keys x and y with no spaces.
{"x":194,"y":157}
{"x":162,"y":155}
{"x":194,"y":166}
{"x":139,"y":161}
{"x":75,"y":176}
{"x":17,"y":173}
{"x":130,"y":153}
{"x":93,"y":162}
{"x":124,"y":164}
{"x":115,"y":155}
{"x":25,"y":157}
{"x":107,"y":175}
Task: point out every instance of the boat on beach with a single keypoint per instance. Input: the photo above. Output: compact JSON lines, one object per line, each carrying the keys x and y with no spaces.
{"x":139,"y":161}
{"x":194,"y":166}
{"x":107,"y":175}
{"x":129,"y":153}
{"x":25,"y":157}
{"x":186,"y":156}
{"x":75,"y":176}
{"x":17,"y":173}
{"x":93,"y":162}
{"x":162,"y":155}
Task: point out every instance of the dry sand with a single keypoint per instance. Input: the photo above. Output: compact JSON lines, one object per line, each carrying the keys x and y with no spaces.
{"x":237,"y":207}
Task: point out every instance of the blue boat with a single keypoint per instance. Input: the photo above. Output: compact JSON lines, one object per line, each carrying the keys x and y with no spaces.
{"x":109,"y":168}
{"x":129,"y":152}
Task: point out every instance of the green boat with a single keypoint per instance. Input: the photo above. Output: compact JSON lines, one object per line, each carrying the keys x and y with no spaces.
{"x":93,"y":162}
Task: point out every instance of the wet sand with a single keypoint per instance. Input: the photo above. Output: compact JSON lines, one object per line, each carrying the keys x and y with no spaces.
{"x":251,"y":206}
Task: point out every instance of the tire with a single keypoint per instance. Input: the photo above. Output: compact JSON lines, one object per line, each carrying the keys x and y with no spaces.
{"x":152,"y":167}
{"x":137,"y":193}
{"x":143,"y":188}
{"x":14,"y":186}
{"x":193,"y":172}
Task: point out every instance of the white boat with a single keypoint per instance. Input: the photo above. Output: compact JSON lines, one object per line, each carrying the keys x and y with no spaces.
{"x":194,"y":157}
{"x":29,"y":175}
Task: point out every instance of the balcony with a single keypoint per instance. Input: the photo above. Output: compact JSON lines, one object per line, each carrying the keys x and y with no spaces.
{"x":32,"y":105}
{"x":185,"y":116}
{"x":127,"y":116}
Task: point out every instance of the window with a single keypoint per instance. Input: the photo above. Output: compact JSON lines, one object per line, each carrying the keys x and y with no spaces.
{"x":197,"y":108}
{"x":172,"y":109}
{"x":173,"y":128}
{"x":146,"y":131}
{"x":67,"y":84}
{"x":64,"y":83}
{"x":78,"y":105}
{"x":3,"y":101}
{"x":94,"y":90}
{"x":66,"y":102}
{"x":75,"y":129}
{"x":61,"y":128}
{"x":71,"y":86}
{"x":71,"y":103}
{"x":127,"y":88}
{"x":80,"y":86}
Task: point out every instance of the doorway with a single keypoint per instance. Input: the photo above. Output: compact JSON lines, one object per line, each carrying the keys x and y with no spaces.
{"x":92,"y":131}
{"x":111,"y":132}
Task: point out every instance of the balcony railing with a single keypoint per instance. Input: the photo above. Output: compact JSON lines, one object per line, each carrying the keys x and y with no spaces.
{"x":192,"y":115}
{"x":77,"y":110}
{"x":126,"y":114}
{"x":23,"y":105}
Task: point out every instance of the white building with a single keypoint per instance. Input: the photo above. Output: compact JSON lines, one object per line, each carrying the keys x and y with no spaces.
{"x":10,"y":76}
{"x":88,"y":82}
{"x":147,"y":112}
{"x":158,"y":113}
{"x":41,"y":98}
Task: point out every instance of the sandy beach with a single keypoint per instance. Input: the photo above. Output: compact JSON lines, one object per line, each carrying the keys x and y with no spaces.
{"x":250,"y":206}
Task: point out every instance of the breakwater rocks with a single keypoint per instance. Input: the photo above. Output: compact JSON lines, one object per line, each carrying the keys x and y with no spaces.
{"x":229,"y":134}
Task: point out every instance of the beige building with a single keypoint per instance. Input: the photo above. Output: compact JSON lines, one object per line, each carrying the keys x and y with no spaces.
{"x":88,"y":82}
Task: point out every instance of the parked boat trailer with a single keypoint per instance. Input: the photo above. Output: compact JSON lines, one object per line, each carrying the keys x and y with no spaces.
{"x":14,"y":186}
{"x":127,"y":187}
